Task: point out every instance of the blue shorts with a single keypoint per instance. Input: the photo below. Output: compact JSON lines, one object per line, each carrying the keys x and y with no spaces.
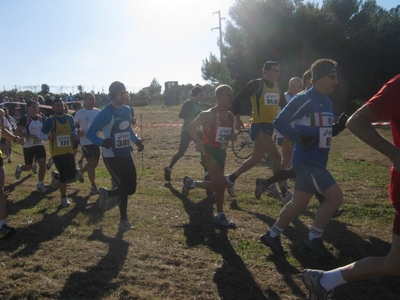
{"x":256,"y":128}
{"x":311,"y":178}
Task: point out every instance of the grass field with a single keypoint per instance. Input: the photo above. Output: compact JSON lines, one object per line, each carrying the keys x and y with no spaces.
{"x":175,"y":252}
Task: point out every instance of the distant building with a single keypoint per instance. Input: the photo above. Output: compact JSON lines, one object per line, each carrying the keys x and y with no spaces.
{"x":171,"y":93}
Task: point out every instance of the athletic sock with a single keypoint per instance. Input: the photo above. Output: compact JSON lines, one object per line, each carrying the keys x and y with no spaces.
{"x":275,"y":231}
{"x":315,"y":233}
{"x":219,"y":213}
{"x":232,"y":177}
{"x":331,"y":279}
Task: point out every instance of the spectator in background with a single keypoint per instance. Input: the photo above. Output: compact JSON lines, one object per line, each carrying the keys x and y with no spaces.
{"x":10,"y":125}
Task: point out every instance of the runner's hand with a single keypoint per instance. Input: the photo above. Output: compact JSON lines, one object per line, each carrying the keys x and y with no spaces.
{"x":140,"y":145}
{"x":107,"y":143}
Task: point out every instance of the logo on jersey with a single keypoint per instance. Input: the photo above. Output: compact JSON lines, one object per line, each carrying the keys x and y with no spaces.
{"x":124,"y":124}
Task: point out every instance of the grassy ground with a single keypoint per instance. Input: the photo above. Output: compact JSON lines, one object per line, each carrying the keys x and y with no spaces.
{"x":175,"y":252}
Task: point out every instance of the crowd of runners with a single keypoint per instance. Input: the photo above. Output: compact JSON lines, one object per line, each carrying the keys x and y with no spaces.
{"x":302,"y":119}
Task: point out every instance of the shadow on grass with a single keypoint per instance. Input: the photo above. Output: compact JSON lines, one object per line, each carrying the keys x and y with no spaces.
{"x":28,"y":239}
{"x":349,"y":247}
{"x":95,"y":283}
{"x":233,"y":279}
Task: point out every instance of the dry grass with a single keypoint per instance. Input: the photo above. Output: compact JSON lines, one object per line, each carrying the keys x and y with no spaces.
{"x":175,"y":252}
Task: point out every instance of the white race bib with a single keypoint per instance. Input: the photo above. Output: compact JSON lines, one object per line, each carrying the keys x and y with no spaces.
{"x":325,"y":137}
{"x":223,"y":135}
{"x":63,"y":141}
{"x":122,"y":140}
{"x":271,"y":99}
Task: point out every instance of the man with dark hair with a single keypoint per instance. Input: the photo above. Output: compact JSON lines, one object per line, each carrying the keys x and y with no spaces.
{"x":312,"y":114}
{"x":29,"y":126}
{"x":384,"y":105}
{"x":266,"y":99}
{"x":115,"y":122}
{"x":189,"y":111}
{"x":59,"y":130}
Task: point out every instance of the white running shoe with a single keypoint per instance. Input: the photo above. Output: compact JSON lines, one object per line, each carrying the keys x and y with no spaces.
{"x":18,"y":172}
{"x":286,"y":199}
{"x":125,"y":225}
{"x":65,"y":202}
{"x":49,"y":163}
{"x":54,"y":181}
{"x":34,"y":168}
{"x":230,"y":186}
{"x":40,"y":188}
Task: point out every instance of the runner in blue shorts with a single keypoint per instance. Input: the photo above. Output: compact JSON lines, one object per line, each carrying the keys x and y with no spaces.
{"x":312,"y":114}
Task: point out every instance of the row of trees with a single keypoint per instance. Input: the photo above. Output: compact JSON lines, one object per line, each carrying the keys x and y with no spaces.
{"x":361,"y":36}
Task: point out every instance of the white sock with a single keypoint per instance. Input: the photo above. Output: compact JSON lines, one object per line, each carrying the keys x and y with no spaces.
{"x":315,"y":233}
{"x":275,"y":231}
{"x":331,"y":279}
{"x":2,"y":222}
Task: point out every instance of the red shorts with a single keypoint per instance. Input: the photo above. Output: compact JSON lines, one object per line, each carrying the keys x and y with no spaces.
{"x":394,"y":193}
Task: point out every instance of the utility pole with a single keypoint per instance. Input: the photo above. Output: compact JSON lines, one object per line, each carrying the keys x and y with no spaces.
{"x":220,"y":32}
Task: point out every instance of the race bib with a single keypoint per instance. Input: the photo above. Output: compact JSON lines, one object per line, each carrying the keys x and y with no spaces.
{"x":122,"y":140}
{"x":271,"y":99}
{"x":63,"y":141}
{"x":325,"y":137}
{"x":223,"y":136}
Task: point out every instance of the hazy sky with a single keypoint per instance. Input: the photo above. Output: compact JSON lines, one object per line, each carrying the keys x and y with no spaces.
{"x":66,"y":43}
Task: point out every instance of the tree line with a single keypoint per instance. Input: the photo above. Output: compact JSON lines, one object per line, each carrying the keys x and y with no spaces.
{"x":361,"y":36}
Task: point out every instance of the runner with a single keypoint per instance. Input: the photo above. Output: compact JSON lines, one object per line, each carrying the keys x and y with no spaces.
{"x":218,"y":130}
{"x":115,"y":122}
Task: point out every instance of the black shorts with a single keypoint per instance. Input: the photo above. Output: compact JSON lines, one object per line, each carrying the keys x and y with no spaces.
{"x":91,"y":151}
{"x":123,"y":171}
{"x":29,"y":153}
{"x":66,"y":167}
{"x":75,"y":144}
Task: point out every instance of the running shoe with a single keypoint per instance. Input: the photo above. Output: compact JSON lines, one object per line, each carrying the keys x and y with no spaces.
{"x":317,"y":247}
{"x":286,"y":199}
{"x":259,"y":188}
{"x":6,"y":231}
{"x":230,"y":186}
{"x":79,"y":175}
{"x":41,"y":188}
{"x":272,"y":191}
{"x":65,"y":202}
{"x":311,"y":279}
{"x":222,"y":221}
{"x":94,"y":189}
{"x":273,"y":243}
{"x":34,"y":168}
{"x":104,"y":199}
{"x":167,"y":173}
{"x":80,"y":164}
{"x":188,"y":184}
{"x":125,"y":225}
{"x":54,"y":180}
{"x":18,"y":172}
{"x":337,"y":213}
{"x":49,"y":163}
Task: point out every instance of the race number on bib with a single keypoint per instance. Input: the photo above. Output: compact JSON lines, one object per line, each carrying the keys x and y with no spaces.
{"x":63,"y":140}
{"x":325,"y":137}
{"x":223,"y":135}
{"x":271,"y":99}
{"x":122,"y":140}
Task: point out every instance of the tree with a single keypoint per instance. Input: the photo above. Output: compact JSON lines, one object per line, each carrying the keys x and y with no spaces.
{"x":154,"y":88}
{"x":215,"y":71}
{"x":360,"y":35}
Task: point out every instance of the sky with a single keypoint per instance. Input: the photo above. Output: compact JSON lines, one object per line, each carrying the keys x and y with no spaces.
{"x":66,"y":43}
